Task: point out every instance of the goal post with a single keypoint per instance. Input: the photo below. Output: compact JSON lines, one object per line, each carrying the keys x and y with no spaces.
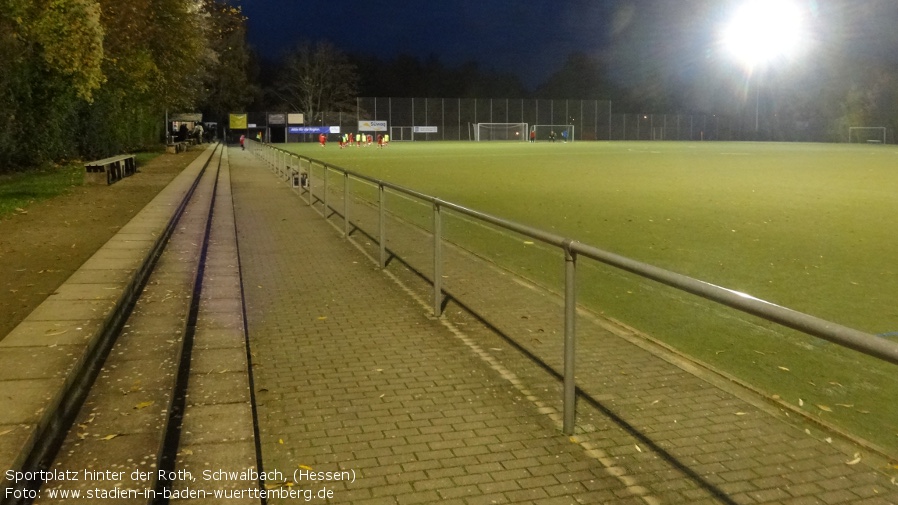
{"x":563,"y":132}
{"x":866,"y":134}
{"x":401,"y":133}
{"x":500,"y":131}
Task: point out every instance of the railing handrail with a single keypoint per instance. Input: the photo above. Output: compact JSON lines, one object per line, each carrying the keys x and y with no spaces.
{"x":833,"y":332}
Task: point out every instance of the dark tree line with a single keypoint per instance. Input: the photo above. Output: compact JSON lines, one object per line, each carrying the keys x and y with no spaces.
{"x":90,"y":78}
{"x":815,"y":101}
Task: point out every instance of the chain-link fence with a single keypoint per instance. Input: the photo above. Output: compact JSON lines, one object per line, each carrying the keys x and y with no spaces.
{"x":427,"y":119}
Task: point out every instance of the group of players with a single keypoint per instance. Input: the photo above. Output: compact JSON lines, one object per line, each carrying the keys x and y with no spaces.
{"x":358,"y":140}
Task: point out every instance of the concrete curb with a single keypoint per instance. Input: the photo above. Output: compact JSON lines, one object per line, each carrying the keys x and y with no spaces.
{"x":49,"y":360}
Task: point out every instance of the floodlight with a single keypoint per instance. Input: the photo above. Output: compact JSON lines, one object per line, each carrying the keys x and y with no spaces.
{"x":763,"y":30}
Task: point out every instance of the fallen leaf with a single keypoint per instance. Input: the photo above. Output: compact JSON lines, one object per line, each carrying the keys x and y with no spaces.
{"x":7,"y":432}
{"x":800,"y":402}
{"x":143,"y":405}
{"x":109,"y":437}
{"x":305,"y":467}
{"x":51,"y":333}
{"x":281,"y":441}
{"x":740,"y":413}
{"x":828,"y":440}
{"x":528,"y":242}
{"x":322,"y":318}
{"x":637,"y":447}
{"x":824,"y":408}
{"x":846,"y":405}
{"x":783,"y":368}
{"x":856,"y":460}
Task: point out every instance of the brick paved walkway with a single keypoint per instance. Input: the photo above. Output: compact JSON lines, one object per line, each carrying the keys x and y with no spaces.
{"x":352,"y":374}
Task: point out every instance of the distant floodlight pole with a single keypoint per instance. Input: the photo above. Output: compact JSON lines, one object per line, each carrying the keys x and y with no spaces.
{"x":761,"y":31}
{"x":757,"y":105}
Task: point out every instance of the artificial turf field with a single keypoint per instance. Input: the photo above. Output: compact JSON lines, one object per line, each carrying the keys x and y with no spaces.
{"x":806,"y":226}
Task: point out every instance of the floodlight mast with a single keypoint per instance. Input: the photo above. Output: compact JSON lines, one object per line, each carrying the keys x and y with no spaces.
{"x":760,"y":32}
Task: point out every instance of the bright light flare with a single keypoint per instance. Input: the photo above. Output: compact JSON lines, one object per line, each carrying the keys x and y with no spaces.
{"x":764,"y":30}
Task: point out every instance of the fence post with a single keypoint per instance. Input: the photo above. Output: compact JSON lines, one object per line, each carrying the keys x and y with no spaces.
{"x":382,"y":228}
{"x":570,"y":338}
{"x":325,"y":190}
{"x":437,"y":260}
{"x":345,"y":204}
{"x":308,"y":188}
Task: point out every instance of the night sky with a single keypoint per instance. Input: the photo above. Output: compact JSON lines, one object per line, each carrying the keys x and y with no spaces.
{"x":641,"y":39}
{"x":529,"y":38}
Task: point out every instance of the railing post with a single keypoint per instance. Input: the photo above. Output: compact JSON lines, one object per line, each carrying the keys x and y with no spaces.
{"x":309,"y":181}
{"x":382,"y":225}
{"x":324,"y":165}
{"x":345,"y":204}
{"x":570,"y":338}
{"x":437,"y":260}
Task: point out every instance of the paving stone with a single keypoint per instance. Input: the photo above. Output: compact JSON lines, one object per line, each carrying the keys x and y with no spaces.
{"x":360,"y":356}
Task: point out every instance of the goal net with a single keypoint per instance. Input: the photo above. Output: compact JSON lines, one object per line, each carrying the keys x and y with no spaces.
{"x":500,"y":131}
{"x":401,"y":133}
{"x":867,"y":134}
{"x":563,"y":132}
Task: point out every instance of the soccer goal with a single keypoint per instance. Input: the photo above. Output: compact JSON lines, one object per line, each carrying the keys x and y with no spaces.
{"x":401,"y":133}
{"x":500,"y":131}
{"x":563,"y":132}
{"x":867,"y":134}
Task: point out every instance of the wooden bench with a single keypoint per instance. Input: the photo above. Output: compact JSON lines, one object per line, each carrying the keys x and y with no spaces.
{"x":176,"y":147}
{"x":109,"y":170}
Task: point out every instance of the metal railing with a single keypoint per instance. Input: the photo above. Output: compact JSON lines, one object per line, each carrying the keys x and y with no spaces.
{"x":288,"y":165}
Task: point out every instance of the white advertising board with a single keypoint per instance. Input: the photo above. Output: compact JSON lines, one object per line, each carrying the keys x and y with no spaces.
{"x":372,"y":126}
